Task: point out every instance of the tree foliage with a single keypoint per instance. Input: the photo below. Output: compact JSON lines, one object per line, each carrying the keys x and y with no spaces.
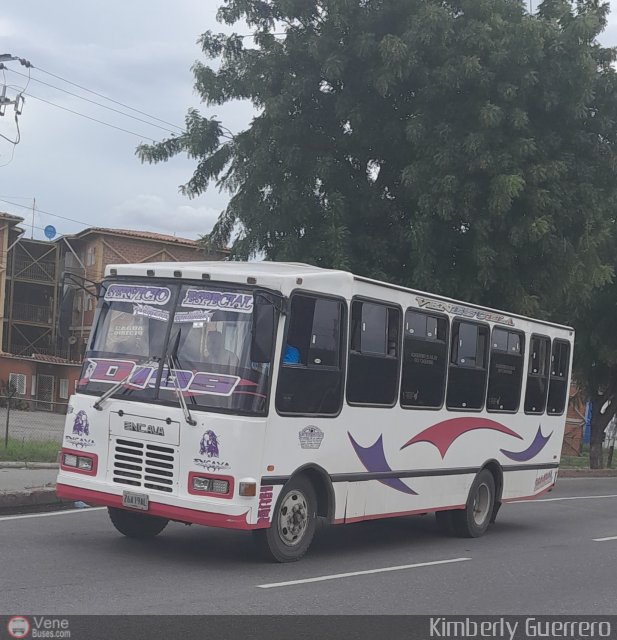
{"x":464,"y":147}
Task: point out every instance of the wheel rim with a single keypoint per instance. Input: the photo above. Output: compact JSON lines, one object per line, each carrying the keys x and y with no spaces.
{"x":293,"y":518}
{"x":481,"y":504}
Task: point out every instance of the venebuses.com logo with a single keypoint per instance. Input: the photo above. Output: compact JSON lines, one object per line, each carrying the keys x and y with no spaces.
{"x":38,"y":627}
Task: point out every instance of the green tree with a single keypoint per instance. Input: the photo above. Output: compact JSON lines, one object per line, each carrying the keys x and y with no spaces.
{"x":465,"y":147}
{"x":596,"y":363}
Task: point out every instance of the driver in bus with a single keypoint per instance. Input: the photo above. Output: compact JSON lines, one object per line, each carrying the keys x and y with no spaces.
{"x":216,"y":352}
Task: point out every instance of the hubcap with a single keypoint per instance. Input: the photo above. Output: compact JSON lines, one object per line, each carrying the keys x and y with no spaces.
{"x":293,"y":518}
{"x":481,"y":504}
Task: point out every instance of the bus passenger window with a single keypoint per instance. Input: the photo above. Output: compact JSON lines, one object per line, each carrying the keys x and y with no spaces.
{"x":372,"y":376}
{"x":537,"y":375}
{"x":311,"y":377}
{"x":506,"y":371}
{"x":557,"y":388}
{"x":425,"y":356}
{"x":467,"y":371}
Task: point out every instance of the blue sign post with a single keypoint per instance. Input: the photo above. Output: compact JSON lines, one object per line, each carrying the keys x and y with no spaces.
{"x":50,"y":232}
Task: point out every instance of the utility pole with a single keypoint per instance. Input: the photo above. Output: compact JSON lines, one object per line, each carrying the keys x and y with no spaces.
{"x":5,"y":101}
{"x":33,"y":210}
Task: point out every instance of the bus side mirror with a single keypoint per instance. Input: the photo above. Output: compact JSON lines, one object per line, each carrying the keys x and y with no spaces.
{"x":263,"y":330}
{"x":65,"y":316}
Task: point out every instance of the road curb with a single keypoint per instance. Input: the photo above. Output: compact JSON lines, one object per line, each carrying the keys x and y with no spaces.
{"x":28,"y":465}
{"x":588,"y":473}
{"x":43,"y":497}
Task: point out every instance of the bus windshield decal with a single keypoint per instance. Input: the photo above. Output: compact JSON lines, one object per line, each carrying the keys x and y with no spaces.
{"x":193,"y":316}
{"x":459,"y":310}
{"x":200,"y":382}
{"x":218,"y":300}
{"x":137,"y":293}
{"x":151,"y":312}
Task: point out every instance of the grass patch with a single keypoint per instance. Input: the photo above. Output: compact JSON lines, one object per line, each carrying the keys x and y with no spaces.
{"x":29,"y":451}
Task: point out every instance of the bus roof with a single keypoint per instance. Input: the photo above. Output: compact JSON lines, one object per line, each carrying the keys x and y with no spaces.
{"x":276,"y":272}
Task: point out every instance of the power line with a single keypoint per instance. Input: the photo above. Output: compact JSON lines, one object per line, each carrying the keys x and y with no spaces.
{"x":100,"y":95}
{"x":83,"y":115}
{"x":104,"y":106}
{"x":47,"y":213}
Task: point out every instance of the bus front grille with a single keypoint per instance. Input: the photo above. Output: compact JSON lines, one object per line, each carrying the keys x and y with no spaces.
{"x":138,"y":463}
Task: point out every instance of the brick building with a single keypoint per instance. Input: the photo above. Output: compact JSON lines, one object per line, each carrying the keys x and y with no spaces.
{"x":34,"y":359}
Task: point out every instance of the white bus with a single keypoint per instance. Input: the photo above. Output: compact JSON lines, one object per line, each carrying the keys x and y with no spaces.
{"x":261,"y":396}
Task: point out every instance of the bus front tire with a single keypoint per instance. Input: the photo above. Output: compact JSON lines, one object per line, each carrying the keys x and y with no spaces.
{"x":475,"y":518}
{"x":136,"y":525}
{"x":293,"y":523}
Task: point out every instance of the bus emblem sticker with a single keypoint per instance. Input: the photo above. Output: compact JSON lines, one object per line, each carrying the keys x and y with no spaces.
{"x":209,"y":446}
{"x":81,"y":426}
{"x":310,"y":437}
{"x":137,"y":293}
{"x":81,"y":429}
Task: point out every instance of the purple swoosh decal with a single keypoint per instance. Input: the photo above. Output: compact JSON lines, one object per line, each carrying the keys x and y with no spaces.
{"x":532,"y":450}
{"x":374,"y":460}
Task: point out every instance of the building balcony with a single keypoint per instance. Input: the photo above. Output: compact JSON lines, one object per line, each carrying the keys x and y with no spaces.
{"x":42,"y":271}
{"x":34,"y":350}
{"x":32,"y":313}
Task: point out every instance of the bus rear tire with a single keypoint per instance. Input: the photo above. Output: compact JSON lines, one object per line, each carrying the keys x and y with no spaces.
{"x":293,"y":523}
{"x":475,"y":518}
{"x":136,"y":525}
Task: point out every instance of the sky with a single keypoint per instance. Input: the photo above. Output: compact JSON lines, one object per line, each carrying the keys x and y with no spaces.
{"x":139,"y":53}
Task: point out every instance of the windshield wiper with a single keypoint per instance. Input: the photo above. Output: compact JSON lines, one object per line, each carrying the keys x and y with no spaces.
{"x":171,"y":358}
{"x":110,"y":392}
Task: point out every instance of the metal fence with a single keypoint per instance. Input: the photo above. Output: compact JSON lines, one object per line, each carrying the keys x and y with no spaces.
{"x":32,"y":420}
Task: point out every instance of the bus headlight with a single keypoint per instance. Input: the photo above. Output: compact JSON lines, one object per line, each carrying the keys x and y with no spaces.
{"x":209,"y":484}
{"x":201,"y":484}
{"x":70,"y":460}
{"x":78,"y":462}
{"x":84,"y":463}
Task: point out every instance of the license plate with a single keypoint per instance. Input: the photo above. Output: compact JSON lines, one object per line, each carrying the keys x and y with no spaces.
{"x":135,"y":500}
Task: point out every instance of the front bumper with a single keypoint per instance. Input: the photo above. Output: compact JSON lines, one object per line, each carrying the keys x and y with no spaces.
{"x":228,"y":516}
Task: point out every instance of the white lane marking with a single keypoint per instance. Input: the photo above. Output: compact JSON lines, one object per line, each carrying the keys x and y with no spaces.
{"x":515,"y":501}
{"x":605,"y":539}
{"x":68,"y":512}
{"x":337,"y":576}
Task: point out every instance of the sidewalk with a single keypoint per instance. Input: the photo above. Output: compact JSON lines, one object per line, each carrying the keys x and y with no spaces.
{"x":24,"y":486}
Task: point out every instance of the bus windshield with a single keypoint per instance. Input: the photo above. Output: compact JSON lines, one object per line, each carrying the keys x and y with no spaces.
{"x":161,"y":340}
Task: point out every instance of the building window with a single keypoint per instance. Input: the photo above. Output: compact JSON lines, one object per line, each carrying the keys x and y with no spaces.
{"x":17,"y":381}
{"x":506,"y":371}
{"x":425,"y":359}
{"x":63,"y":392}
{"x":558,"y":385}
{"x":311,"y":373}
{"x":467,"y":370}
{"x":90,"y":256}
{"x":537,"y":374}
{"x":374,"y":354}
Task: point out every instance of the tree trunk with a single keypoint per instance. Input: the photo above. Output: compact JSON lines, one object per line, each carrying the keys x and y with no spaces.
{"x":599,"y":422}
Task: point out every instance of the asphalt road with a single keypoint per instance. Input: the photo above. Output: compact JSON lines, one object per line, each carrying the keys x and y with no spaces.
{"x":540,"y":557}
